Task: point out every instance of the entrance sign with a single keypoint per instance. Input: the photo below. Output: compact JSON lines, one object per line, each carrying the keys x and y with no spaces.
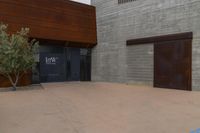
{"x":59,"y":64}
{"x":52,"y":67}
{"x":51,"y":60}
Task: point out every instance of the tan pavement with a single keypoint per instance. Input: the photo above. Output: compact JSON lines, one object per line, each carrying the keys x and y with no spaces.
{"x":99,"y":108}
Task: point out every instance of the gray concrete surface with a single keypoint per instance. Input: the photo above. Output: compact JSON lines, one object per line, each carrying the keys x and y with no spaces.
{"x":99,"y":108}
{"x":141,"y":18}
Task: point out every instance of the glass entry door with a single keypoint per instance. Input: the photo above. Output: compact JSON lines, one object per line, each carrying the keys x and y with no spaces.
{"x":52,"y":67}
{"x":73,"y":64}
{"x":85,"y":65}
{"x":58,"y":64}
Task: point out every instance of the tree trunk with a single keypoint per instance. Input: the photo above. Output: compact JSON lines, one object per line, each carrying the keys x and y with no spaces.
{"x":14,"y":88}
{"x":14,"y":83}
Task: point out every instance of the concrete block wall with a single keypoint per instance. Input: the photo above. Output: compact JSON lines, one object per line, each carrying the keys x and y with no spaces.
{"x":111,"y":58}
{"x":140,"y":64}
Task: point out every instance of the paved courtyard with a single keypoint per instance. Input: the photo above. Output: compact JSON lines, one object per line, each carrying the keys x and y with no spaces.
{"x":99,"y":108}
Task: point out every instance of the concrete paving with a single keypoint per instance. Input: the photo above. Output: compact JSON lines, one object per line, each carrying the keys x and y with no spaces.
{"x":99,"y":108}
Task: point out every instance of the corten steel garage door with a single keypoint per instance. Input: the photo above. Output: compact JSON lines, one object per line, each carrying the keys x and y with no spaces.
{"x":172,"y":59}
{"x":172,"y":64}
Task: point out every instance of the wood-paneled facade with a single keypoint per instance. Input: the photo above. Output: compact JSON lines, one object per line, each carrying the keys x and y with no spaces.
{"x":61,"y":20}
{"x":51,"y":19}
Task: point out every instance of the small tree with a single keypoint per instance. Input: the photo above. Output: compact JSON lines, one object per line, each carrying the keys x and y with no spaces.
{"x":17,"y":54}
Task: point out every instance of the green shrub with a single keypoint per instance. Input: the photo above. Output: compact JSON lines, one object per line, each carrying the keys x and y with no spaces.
{"x":17,"y":54}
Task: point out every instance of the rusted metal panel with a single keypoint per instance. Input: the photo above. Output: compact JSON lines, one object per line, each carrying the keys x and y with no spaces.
{"x":172,"y":64}
{"x":162,"y":38}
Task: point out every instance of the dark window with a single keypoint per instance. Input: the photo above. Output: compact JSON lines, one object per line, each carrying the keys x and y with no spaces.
{"x":124,"y":1}
{"x":85,"y":65}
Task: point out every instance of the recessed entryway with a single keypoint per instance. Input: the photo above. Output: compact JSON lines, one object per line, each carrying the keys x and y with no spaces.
{"x":58,"y":62}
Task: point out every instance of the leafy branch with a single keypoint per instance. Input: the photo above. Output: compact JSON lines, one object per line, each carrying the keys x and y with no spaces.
{"x":17,"y":54}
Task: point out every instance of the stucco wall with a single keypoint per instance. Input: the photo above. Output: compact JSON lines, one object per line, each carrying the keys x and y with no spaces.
{"x":142,"y":18}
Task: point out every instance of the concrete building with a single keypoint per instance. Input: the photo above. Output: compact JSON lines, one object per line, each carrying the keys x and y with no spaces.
{"x":153,"y":42}
{"x":168,"y":37}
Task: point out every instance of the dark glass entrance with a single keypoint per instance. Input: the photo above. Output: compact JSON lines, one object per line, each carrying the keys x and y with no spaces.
{"x":60,"y":63}
{"x":52,"y":67}
{"x":85,"y":65}
{"x":73,"y":64}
